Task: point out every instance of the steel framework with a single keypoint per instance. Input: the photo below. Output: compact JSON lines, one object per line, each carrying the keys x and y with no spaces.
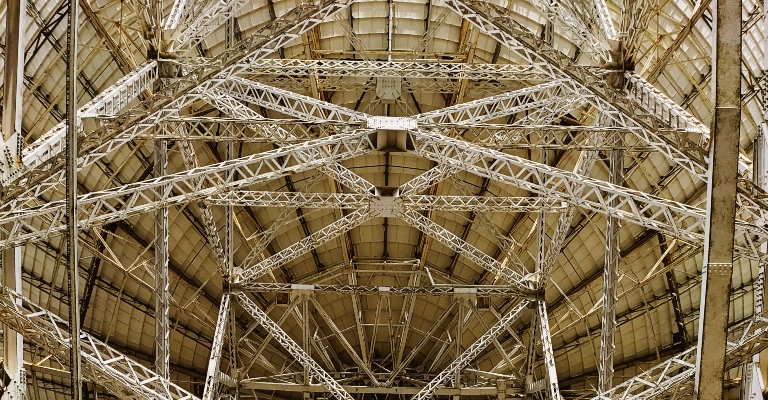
{"x":546,"y":103}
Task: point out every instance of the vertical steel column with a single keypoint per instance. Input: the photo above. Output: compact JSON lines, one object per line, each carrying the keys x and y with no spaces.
{"x":212,"y":386}
{"x":229,"y":252}
{"x":459,"y":339}
{"x":162,"y":326}
{"x":305,"y":333}
{"x":721,"y":202}
{"x":13,"y":85}
{"x":13,"y":349}
{"x":71,"y":203}
{"x":13,"y":343}
{"x":541,"y":259}
{"x":610,"y":278}
{"x":550,"y":371}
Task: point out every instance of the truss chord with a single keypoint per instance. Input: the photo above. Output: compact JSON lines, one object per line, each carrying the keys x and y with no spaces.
{"x":212,"y":388}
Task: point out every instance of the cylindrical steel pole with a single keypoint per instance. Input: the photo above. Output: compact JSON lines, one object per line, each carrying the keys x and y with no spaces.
{"x":71,"y":203}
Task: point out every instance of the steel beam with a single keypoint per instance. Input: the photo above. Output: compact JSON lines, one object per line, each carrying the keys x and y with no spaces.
{"x":345,"y":343}
{"x":280,"y":136}
{"x":107,"y":103}
{"x":15,"y":16}
{"x":71,"y":205}
{"x":550,"y":372}
{"x":356,"y":201}
{"x":13,"y":87}
{"x":447,"y":290}
{"x":416,"y":69}
{"x":289,"y":103}
{"x":516,"y":279}
{"x":571,"y":26}
{"x":214,"y":15}
{"x":493,"y":107}
{"x":744,"y":340}
{"x":213,"y":376}
{"x":11,"y":258}
{"x":272,"y":387}
{"x":501,"y":25}
{"x":250,"y":269}
{"x":721,"y":203}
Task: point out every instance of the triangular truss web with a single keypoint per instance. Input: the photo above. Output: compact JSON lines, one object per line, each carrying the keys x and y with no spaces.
{"x":491,"y":337}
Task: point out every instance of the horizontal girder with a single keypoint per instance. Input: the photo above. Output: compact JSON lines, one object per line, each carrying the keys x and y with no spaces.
{"x":435,"y":290}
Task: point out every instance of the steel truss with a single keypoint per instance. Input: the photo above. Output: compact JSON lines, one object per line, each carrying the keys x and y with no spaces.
{"x":744,"y":340}
{"x":562,"y":16}
{"x":108,"y":103}
{"x":458,"y":138}
{"x":491,"y":108}
{"x":672,"y":218}
{"x":496,"y":136}
{"x":103,"y":365}
{"x":177,"y":95}
{"x":499,"y":24}
{"x":471,"y":352}
{"x":358,"y":201}
{"x":215,"y":14}
{"x":392,"y":69}
{"x":435,"y":290}
{"x":180,"y":188}
{"x":337,"y":84}
{"x":517,"y":279}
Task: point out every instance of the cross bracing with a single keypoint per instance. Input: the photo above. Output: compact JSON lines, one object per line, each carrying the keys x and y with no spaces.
{"x":351,"y":218}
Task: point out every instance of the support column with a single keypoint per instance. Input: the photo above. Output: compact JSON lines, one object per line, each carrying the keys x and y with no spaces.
{"x":229,"y":252}
{"x":610,"y":278}
{"x":721,"y":202}
{"x":162,"y":325}
{"x":13,"y":348}
{"x":550,"y":371}
{"x":71,"y":204}
{"x":529,"y":383}
{"x":15,"y":22}
{"x":459,"y":338}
